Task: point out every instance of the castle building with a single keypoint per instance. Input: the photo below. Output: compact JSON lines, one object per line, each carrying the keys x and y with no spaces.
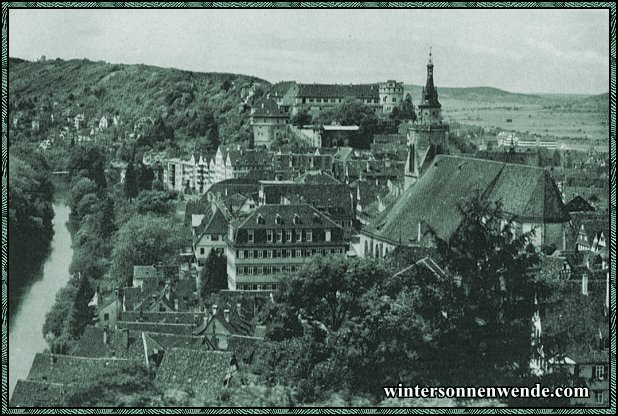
{"x":391,"y":95}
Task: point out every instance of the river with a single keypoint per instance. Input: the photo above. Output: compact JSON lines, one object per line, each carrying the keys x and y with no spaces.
{"x":36,"y":299}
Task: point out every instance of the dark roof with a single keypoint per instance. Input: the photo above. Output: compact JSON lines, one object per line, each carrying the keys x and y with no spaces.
{"x":236,"y":325}
{"x":243,"y":347}
{"x":164,"y":317}
{"x":245,"y":186}
{"x":67,"y":369}
{"x":361,"y":91}
{"x":29,"y":393}
{"x":316,"y":177}
{"x":281,"y":88}
{"x":267,"y":107}
{"x":578,"y":204}
{"x":525,"y":192}
{"x":165,"y":328}
{"x":120,"y":344}
{"x":332,"y":198}
{"x":305,"y":214}
{"x":203,"y":372}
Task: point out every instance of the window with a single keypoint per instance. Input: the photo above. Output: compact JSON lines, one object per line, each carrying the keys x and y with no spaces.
{"x":251,"y":235}
{"x":269,"y":236}
{"x":279,"y":236}
{"x":298,"y":252}
{"x":269,"y":254}
{"x":260,"y":219}
{"x":240,"y":254}
{"x":599,"y":372}
{"x":250,"y":254}
{"x":288,"y":253}
{"x":309,"y":235}
{"x":202,"y":250}
{"x":288,"y":236}
{"x":299,"y":235}
{"x":215,"y":237}
{"x":106,"y":317}
{"x":327,"y":235}
{"x":598,"y":395}
{"x":260,"y":254}
{"x":251,"y":270}
{"x":278,"y":219}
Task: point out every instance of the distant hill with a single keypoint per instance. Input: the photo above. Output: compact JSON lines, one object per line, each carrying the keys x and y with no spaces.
{"x":595,"y":103}
{"x":487,"y":95}
{"x":64,"y":89}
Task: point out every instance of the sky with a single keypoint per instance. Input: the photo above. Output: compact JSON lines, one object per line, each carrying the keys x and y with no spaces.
{"x":526,"y":50}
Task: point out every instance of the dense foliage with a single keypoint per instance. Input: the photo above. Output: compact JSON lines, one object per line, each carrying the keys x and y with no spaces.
{"x":356,"y":325}
{"x":30,"y":211}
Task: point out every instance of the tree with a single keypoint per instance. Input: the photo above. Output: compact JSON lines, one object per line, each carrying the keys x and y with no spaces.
{"x":156,"y":202}
{"x":301,"y":118}
{"x":490,"y":303}
{"x":89,"y":159}
{"x":130,"y":182}
{"x":142,"y":240}
{"x":145,"y":176}
{"x":80,"y":188}
{"x":214,"y":274}
{"x":404,"y":111}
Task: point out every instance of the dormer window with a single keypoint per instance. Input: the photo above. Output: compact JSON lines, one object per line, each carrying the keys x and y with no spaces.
{"x":251,"y":235}
{"x":278,"y":219}
{"x":296,"y":219}
{"x":260,"y":219}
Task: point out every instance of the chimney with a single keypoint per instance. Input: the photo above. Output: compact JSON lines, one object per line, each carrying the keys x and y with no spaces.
{"x":104,"y":335}
{"x":125,"y":337}
{"x":175,"y":304}
{"x":226,"y":314}
{"x":214,"y":309}
{"x":238,"y":309}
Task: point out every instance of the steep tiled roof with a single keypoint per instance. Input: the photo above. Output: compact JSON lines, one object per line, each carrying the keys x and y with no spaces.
{"x":67,"y":369}
{"x":306,"y":215}
{"x":267,"y":107}
{"x":163,"y":317}
{"x":243,"y":347}
{"x":119,"y":344}
{"x":245,"y":186}
{"x":281,"y":88}
{"x":29,"y":393}
{"x":578,"y":204}
{"x":250,"y":158}
{"x":525,"y":192}
{"x":203,"y":372}
{"x":361,"y":91}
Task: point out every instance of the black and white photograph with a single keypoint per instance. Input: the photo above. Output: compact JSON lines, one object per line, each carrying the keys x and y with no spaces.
{"x":308,"y":208}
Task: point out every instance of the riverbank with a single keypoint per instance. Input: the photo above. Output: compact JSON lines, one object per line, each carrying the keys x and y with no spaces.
{"x":27,"y":309}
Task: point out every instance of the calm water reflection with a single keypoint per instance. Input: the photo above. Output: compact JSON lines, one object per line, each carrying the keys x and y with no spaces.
{"x":30,"y":304}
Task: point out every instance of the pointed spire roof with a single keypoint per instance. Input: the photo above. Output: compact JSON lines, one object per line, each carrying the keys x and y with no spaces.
{"x":430,"y":92}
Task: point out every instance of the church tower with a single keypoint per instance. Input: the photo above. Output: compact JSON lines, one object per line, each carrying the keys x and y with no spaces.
{"x":411,"y":172}
{"x":429,"y":134}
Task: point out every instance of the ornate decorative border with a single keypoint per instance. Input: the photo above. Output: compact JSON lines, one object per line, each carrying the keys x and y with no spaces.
{"x":5,"y":11}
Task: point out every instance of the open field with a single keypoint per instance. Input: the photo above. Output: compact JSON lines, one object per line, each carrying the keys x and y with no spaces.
{"x":575,"y":121}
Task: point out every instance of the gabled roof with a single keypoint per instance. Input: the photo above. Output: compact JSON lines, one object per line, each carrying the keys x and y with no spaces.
{"x":579,"y":204}
{"x":235,"y":326}
{"x":127,"y":344}
{"x":204,"y":372}
{"x":267,"y":107}
{"x":525,"y":192}
{"x":281,"y":88}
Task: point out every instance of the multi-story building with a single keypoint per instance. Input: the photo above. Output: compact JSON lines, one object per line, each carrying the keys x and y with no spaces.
{"x":335,"y":200}
{"x":193,"y":174}
{"x":275,"y":240}
{"x":391,"y":95}
{"x":268,"y":121}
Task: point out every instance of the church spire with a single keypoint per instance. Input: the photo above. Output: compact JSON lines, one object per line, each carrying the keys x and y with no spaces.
{"x":430,"y":93}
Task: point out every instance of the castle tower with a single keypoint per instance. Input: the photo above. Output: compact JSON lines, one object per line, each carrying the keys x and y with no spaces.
{"x":391,"y":95}
{"x":429,"y":133}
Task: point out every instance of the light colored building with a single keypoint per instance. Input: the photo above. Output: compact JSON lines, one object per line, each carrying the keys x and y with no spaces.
{"x":275,"y":240}
{"x":391,"y":95}
{"x":268,"y":122}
